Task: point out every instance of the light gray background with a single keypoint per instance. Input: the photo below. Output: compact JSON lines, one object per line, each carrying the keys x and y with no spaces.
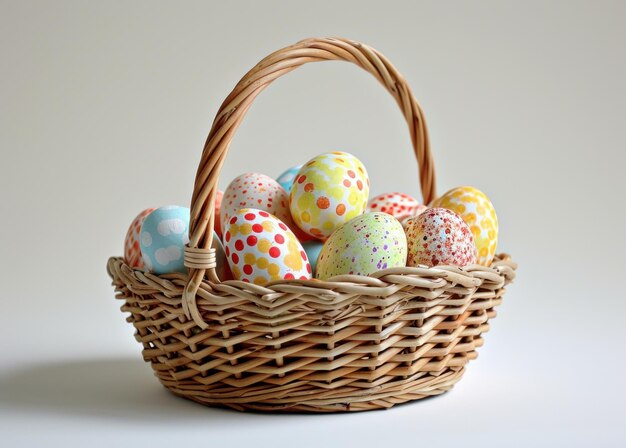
{"x":105,"y":108}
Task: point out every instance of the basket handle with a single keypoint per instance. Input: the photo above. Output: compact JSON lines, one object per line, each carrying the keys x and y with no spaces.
{"x":199,"y":258}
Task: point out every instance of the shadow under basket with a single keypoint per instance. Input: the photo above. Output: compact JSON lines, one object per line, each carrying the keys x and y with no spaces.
{"x":351,"y":343}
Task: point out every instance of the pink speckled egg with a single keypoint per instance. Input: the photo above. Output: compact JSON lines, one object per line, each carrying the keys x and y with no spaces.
{"x":439,"y":236}
{"x":398,"y":205}
{"x":219,"y":195}
{"x":260,"y":248}
{"x":255,"y":190}
{"x":132,"y":249}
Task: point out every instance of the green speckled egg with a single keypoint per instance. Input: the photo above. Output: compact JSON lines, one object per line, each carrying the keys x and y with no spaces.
{"x":362,"y":246}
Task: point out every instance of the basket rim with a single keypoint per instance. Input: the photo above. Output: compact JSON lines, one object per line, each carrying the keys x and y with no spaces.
{"x":429,"y":281}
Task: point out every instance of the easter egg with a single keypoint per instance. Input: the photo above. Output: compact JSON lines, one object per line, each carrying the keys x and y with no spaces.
{"x":164,"y":234}
{"x":418,"y":210}
{"x":254,"y":190}
{"x":398,"y":205}
{"x":312,"y":249}
{"x":477,"y":211}
{"x":439,"y":236}
{"x":286,"y":179}
{"x":329,"y":190}
{"x":261,"y":248}
{"x":132,"y":248}
{"x":362,"y":246}
{"x":219,"y":195}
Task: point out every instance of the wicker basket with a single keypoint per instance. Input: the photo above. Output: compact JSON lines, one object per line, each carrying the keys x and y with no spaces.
{"x":349,"y":344}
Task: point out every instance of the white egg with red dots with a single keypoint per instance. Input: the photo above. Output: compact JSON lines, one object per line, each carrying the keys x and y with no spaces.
{"x":398,"y":205}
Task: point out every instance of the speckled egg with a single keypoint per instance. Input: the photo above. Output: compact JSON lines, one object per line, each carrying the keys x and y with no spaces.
{"x":255,"y":190}
{"x":286,"y":179}
{"x":312,"y":249}
{"x":398,"y":205}
{"x":219,"y":195}
{"x":477,"y":211}
{"x":261,"y":248}
{"x":439,"y":236}
{"x":362,"y":246}
{"x":329,"y":191}
{"x":132,"y":248}
{"x":164,"y":233}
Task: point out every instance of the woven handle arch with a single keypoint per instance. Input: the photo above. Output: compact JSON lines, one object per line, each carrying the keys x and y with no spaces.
{"x":199,"y":258}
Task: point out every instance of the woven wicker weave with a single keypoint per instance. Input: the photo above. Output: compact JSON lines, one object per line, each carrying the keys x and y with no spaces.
{"x":349,"y":344}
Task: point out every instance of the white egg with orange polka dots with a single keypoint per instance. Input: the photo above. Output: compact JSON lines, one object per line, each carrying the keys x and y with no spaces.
{"x":260,"y":248}
{"x":254,"y":190}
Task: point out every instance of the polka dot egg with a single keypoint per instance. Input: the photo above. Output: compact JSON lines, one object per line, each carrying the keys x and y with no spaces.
{"x":418,"y":211}
{"x":398,"y":205}
{"x":439,"y":236}
{"x":261,"y":249}
{"x":362,"y":246}
{"x":164,"y":234}
{"x":477,"y":211}
{"x":132,"y":248}
{"x":329,"y":190}
{"x":255,"y":190}
{"x":286,"y":179}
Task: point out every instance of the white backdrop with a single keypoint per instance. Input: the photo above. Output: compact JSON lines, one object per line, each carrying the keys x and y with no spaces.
{"x":104,"y":111}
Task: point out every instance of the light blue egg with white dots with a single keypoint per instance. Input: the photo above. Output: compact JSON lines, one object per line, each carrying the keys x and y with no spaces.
{"x":286,"y":179}
{"x":164,"y":234}
{"x":313,"y":249}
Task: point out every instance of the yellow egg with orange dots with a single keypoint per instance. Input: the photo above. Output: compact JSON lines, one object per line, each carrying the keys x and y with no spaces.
{"x":477,"y":211}
{"x":328,"y":191}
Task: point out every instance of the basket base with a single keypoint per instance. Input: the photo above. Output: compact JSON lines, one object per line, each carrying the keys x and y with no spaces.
{"x":355,"y":347}
{"x":305,"y":398}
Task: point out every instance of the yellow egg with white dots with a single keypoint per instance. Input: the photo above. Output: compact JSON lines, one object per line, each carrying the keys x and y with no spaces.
{"x":477,"y":211}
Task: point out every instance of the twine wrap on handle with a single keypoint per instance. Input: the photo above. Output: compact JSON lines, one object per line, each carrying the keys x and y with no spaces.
{"x":197,"y":258}
{"x":232,"y":112}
